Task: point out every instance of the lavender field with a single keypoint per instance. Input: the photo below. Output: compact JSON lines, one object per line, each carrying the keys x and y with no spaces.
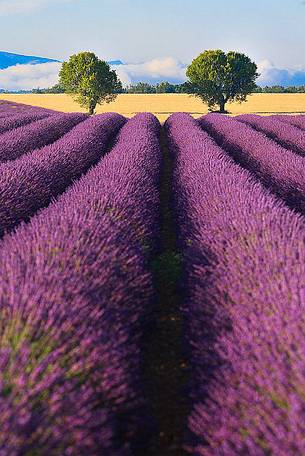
{"x":152,"y":284}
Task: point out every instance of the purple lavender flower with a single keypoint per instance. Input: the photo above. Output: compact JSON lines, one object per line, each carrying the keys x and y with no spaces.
{"x":30,"y":182}
{"x":9,"y":107}
{"x":285,"y":134}
{"x":281,"y":170}
{"x":244,"y":259}
{"x":297,"y":121}
{"x":19,"y":141}
{"x":76,"y":295}
{"x":11,"y":122}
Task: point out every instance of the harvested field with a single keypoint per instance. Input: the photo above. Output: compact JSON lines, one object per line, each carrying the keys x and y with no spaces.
{"x":162,"y":105}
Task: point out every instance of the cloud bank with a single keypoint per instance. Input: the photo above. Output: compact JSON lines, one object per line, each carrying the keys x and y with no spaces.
{"x":272,"y":75}
{"x":27,"y":77}
{"x":153,"y":71}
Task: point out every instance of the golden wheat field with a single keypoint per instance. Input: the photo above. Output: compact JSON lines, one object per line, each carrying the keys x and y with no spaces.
{"x":162,"y":105}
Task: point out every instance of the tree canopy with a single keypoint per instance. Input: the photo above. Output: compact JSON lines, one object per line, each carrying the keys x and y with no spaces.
{"x":217,"y":77}
{"x":90,"y":80}
{"x":161,"y":87}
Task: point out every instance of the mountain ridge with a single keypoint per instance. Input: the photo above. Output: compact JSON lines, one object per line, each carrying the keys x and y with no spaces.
{"x":8,"y":59}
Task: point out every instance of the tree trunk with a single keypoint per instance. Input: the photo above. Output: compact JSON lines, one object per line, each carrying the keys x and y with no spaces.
{"x":91,"y":108}
{"x":222,"y":105}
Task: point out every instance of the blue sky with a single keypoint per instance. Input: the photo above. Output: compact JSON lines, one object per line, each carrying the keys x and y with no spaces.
{"x":171,"y":32}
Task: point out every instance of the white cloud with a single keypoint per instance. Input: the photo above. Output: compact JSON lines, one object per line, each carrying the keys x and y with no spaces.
{"x":270,"y":74}
{"x":23,"y":6}
{"x":166,"y":69}
{"x":27,"y":77}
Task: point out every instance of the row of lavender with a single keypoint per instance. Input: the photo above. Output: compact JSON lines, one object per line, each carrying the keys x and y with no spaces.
{"x":38,"y":133}
{"x":244,"y":262}
{"x":288,"y":131}
{"x":25,"y":128}
{"x":279,"y":168}
{"x":76,"y":296}
{"x":240,"y":246}
{"x":8,"y":108}
{"x":31,"y":181}
{"x":14,"y":115}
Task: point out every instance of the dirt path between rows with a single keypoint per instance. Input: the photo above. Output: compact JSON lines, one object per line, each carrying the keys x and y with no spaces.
{"x":166,"y":368}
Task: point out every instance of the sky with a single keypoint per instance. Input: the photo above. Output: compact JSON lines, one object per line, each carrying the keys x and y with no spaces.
{"x":156,"y":39}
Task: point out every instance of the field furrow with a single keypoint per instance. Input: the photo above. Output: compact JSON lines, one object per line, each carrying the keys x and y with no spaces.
{"x":74,"y":311}
{"x":244,"y":307}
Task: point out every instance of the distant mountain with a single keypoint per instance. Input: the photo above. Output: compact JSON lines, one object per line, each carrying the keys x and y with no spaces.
{"x":8,"y":59}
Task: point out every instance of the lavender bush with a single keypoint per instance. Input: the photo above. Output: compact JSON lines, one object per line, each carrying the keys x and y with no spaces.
{"x":278,"y":168}
{"x":30,"y":182}
{"x":244,"y":257}
{"x":297,"y":121}
{"x":4,"y":114}
{"x":76,"y":297}
{"x":285,"y":134}
{"x":8,"y":107}
{"x":19,"y":141}
{"x":11,"y":122}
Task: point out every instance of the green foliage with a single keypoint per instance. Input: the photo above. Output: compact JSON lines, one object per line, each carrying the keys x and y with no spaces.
{"x":89,"y":79}
{"x":217,"y":77}
{"x":57,"y":88}
{"x":141,"y":87}
{"x":161,"y":87}
{"x":165,"y":87}
{"x":280,"y":89}
{"x":185,"y":87}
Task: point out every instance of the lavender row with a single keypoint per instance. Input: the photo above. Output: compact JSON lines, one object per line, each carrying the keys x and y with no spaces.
{"x":4,"y":114}
{"x":8,"y":107}
{"x":279,"y":169}
{"x":30,"y":182}
{"x":11,"y":122}
{"x":76,"y":296}
{"x":244,"y":257}
{"x":297,"y":121}
{"x":35,"y":135}
{"x":285,"y":134}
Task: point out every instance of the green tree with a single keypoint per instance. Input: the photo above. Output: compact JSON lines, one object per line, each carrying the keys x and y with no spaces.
{"x":57,"y":88}
{"x":165,"y":87}
{"x":141,"y":87}
{"x":217,"y":77}
{"x":89,"y":80}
